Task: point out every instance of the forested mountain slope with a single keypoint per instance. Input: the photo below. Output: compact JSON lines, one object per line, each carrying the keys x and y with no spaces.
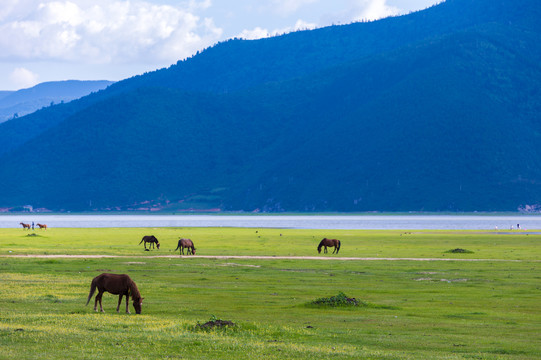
{"x":436,"y":110}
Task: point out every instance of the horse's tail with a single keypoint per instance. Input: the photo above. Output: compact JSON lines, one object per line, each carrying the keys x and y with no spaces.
{"x":178,"y":245}
{"x":338,"y":246}
{"x":92,"y":291}
{"x":143,"y":239}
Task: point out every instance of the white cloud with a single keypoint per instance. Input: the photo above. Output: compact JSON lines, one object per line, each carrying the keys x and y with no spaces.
{"x":373,"y":10}
{"x":363,"y":10}
{"x":23,"y":78}
{"x":104,"y":31}
{"x":259,"y":33}
{"x":303,"y":25}
{"x":254,"y":34}
{"x":354,"y":10}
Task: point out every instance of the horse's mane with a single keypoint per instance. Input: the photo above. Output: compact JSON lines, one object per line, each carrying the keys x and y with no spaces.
{"x":135,"y":294}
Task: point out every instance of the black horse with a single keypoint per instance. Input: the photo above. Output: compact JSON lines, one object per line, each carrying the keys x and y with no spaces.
{"x":150,"y":239}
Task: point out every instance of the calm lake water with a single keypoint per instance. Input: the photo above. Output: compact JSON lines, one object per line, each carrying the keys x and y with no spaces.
{"x":398,"y":222}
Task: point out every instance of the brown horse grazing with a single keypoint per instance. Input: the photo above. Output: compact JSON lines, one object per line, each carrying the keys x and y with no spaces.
{"x":25,"y":226}
{"x":43,"y":226}
{"x":150,"y":239}
{"x":115,"y":284}
{"x":188,"y":244}
{"x":330,"y":243}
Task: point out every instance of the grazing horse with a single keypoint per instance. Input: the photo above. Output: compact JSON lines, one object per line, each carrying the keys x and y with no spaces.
{"x":329,"y":242}
{"x":115,"y":284}
{"x":188,"y":244}
{"x":25,"y":226}
{"x":150,"y":239}
{"x":42,"y":226}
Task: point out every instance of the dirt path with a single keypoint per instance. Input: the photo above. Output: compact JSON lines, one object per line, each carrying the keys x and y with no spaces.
{"x":247,"y":257}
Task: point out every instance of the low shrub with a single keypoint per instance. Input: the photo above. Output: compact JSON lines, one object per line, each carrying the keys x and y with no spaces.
{"x":339,"y":300}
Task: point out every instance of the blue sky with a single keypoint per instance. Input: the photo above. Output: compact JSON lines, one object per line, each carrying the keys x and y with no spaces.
{"x":49,"y":40}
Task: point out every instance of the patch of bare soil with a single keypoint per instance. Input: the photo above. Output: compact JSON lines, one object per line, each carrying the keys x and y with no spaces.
{"x":444,"y":280}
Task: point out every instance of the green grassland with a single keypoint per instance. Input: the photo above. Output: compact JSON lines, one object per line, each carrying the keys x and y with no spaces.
{"x":517,"y":245}
{"x":427,"y":309}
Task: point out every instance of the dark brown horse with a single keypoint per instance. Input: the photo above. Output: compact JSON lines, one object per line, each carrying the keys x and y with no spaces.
{"x":115,"y":284}
{"x":330,"y":243}
{"x":43,"y":226}
{"x":25,"y":226}
{"x":152,"y":240}
{"x":188,"y":244}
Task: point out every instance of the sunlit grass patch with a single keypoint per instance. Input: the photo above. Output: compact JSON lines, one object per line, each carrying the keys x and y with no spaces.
{"x":37,"y":288}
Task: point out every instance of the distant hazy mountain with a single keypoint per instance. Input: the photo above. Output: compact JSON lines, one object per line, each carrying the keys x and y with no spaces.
{"x":437,"y":110}
{"x":26,"y":101}
{"x":5,"y":93}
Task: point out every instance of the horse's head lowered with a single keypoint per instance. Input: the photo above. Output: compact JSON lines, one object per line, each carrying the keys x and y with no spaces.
{"x":137,"y":302}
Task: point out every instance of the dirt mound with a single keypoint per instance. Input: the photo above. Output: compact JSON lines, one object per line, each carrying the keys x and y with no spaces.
{"x":460,"y":251}
{"x":215,"y":324}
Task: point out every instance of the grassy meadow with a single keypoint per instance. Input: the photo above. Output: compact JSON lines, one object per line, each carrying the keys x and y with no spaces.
{"x":429,"y":309}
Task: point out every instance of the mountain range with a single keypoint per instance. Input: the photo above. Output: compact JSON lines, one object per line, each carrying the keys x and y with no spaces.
{"x":437,"y":110}
{"x":14,"y":104}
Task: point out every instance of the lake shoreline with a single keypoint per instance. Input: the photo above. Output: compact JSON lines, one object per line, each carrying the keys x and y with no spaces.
{"x":514,"y":222}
